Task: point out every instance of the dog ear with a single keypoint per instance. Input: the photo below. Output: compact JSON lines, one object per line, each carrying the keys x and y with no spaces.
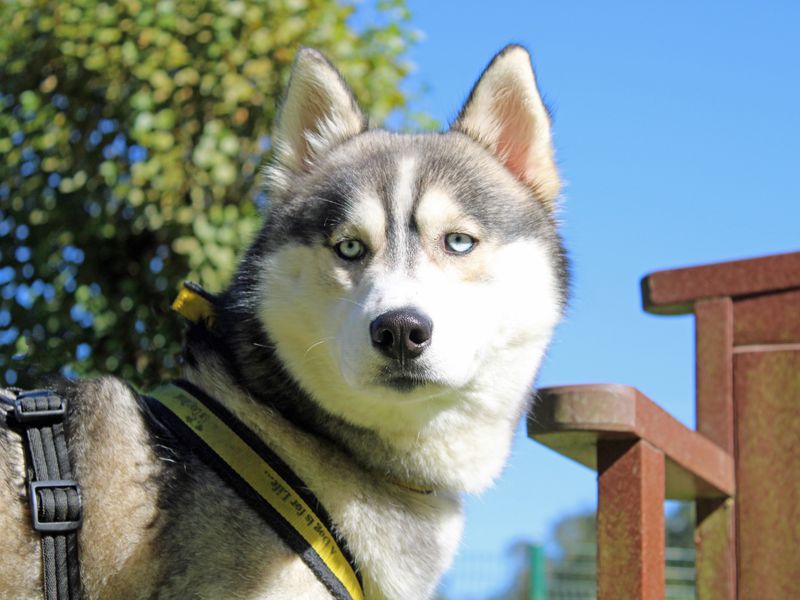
{"x":505,"y":113}
{"x":318,"y":112}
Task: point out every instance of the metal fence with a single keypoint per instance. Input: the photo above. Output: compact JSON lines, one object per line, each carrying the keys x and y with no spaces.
{"x":575,"y":580}
{"x":531,"y":575}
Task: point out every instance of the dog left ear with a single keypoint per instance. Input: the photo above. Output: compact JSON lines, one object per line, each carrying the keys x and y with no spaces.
{"x":319,"y":111}
{"x":505,"y":113}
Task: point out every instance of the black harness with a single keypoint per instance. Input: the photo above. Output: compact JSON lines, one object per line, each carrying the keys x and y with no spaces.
{"x":54,"y":495}
{"x":218,"y":438}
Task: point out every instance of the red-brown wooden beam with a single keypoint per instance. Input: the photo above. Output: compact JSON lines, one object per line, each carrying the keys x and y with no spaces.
{"x":767,"y":320}
{"x":574,"y":419}
{"x":630,"y":521}
{"x":767,"y":392}
{"x":714,"y":371}
{"x":715,"y":533}
{"x":675,"y":291}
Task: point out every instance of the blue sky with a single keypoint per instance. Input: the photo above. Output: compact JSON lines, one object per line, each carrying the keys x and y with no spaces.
{"x":677,"y":127}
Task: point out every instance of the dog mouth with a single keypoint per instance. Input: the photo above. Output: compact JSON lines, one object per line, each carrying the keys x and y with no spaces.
{"x":403,"y":379}
{"x":404,"y":383}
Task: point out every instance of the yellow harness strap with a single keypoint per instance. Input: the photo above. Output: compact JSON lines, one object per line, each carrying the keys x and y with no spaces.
{"x":262,"y":478}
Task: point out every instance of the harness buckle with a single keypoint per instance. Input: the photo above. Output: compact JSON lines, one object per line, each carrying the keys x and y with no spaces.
{"x":27,"y":416}
{"x":52,"y":485}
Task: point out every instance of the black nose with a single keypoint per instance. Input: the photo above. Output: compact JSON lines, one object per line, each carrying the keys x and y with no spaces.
{"x":401,"y":334}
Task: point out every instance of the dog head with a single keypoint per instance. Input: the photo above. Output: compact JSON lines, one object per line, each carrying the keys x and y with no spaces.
{"x":410,"y":282}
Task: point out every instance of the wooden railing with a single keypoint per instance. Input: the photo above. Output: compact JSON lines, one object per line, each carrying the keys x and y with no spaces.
{"x":741,"y":466}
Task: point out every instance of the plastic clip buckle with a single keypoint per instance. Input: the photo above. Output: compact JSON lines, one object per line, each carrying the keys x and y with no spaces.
{"x":53,"y":526}
{"x":50,"y":415}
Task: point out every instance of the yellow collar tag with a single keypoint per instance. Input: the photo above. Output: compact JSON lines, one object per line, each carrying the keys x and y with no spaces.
{"x":192,"y":306}
{"x":262,"y":478}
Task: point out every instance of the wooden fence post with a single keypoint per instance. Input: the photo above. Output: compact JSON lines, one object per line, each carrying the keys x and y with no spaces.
{"x":715,"y":532}
{"x":630,"y":521}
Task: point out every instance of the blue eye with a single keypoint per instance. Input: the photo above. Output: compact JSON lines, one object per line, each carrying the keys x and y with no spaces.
{"x":459,"y":243}
{"x":350,"y":249}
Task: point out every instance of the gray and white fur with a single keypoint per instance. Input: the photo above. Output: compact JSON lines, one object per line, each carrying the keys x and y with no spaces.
{"x":381,"y":334}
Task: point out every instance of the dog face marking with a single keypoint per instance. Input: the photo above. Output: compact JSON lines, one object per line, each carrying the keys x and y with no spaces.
{"x":402,"y":200}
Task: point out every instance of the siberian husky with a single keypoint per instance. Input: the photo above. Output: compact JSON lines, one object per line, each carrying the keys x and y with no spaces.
{"x":381,"y":336}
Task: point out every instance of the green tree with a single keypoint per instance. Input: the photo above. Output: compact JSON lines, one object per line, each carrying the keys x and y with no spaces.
{"x":131,"y":135}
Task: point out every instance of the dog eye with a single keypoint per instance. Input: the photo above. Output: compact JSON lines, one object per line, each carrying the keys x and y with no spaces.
{"x":350,"y":249}
{"x":459,"y":243}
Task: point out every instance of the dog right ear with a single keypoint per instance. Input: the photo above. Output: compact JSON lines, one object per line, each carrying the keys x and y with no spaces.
{"x":505,"y":114}
{"x":319,"y":111}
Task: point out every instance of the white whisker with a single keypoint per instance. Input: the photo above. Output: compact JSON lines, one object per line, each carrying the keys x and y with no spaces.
{"x":315,"y":344}
{"x":353,"y":302}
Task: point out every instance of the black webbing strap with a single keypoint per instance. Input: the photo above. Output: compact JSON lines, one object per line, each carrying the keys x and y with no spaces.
{"x":55,"y":499}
